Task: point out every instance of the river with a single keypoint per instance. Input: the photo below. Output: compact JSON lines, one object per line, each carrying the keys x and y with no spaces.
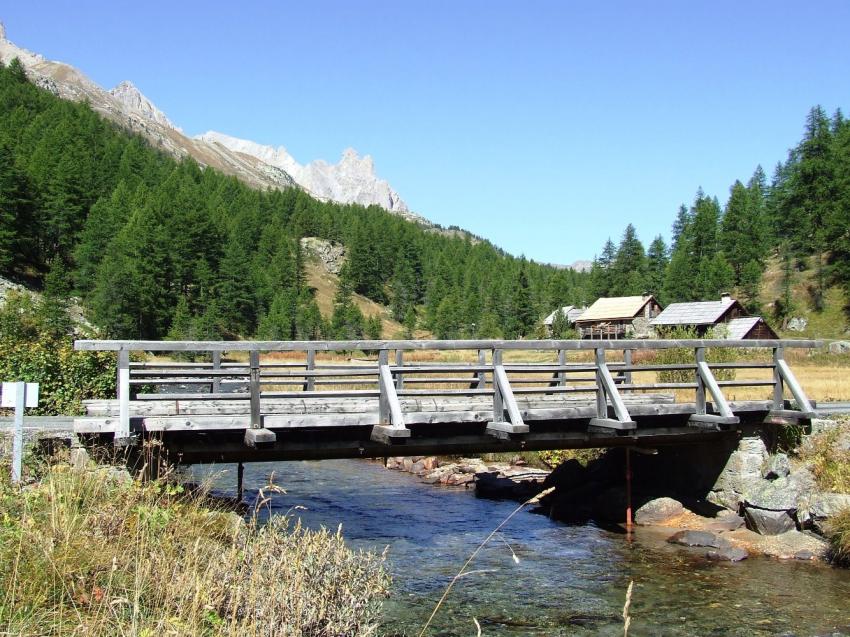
{"x":565,"y":580}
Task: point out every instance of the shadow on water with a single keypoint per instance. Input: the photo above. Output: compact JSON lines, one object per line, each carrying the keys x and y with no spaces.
{"x":568,"y":580}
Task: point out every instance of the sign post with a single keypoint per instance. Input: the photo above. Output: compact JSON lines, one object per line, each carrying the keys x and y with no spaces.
{"x":19,"y":396}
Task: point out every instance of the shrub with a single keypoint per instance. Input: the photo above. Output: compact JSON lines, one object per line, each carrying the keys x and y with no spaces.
{"x":555,"y":457}
{"x":36,"y":346}
{"x":830,"y":463}
{"x":85,"y":552}
{"x":838,"y":531}
{"x":685,"y":355}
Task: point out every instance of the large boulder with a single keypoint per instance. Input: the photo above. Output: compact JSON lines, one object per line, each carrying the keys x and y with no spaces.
{"x":767,"y":522}
{"x":727,"y":554}
{"x":698,"y":538}
{"x":658,"y":511}
{"x":839,"y":347}
{"x":826,"y":505}
{"x":797,"y":324}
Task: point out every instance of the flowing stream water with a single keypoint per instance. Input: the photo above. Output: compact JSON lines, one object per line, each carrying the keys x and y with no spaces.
{"x":565,"y":580}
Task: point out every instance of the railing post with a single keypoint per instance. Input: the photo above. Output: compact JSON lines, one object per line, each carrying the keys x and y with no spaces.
{"x":562,"y":361}
{"x":310,"y":381}
{"x":601,"y":402}
{"x":383,"y":401}
{"x":256,"y":435}
{"x":627,"y":359}
{"x":482,"y":376}
{"x":399,"y":361}
{"x":254,"y":388}
{"x":778,"y":384}
{"x":498,"y":401}
{"x":216,"y":362}
{"x":699,"y":354}
{"x":122,"y":432}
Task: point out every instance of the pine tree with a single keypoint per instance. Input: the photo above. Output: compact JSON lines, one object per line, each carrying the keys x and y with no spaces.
{"x":629,"y":271}
{"x":656,"y":265}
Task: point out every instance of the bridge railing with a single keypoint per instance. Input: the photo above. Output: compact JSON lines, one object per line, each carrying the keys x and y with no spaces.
{"x":485,"y":373}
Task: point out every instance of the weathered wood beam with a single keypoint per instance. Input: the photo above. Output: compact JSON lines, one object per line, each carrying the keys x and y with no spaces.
{"x":330,"y":346}
{"x":390,"y":428}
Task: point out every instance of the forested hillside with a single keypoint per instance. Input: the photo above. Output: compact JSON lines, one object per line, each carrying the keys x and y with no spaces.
{"x":163,"y":248}
{"x":801,"y":217}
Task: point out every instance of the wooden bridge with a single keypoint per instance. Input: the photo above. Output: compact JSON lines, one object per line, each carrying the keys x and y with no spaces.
{"x":315,"y":399}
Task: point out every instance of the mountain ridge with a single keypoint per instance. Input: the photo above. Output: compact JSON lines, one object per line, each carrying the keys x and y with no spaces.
{"x":352,"y":180}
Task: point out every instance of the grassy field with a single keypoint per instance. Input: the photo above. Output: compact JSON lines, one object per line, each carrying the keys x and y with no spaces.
{"x":825,"y":377}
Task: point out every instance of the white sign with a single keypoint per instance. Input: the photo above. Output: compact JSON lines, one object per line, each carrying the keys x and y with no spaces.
{"x":10,"y":394}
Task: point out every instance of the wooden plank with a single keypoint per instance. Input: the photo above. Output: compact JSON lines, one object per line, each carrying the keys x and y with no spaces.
{"x":324,"y":346}
{"x":254,"y":390}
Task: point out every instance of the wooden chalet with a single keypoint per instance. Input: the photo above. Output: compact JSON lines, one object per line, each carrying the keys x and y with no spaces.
{"x":618,"y":317}
{"x":726,"y":318}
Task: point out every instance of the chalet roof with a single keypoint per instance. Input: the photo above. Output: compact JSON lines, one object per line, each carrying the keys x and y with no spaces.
{"x":570,"y":311}
{"x":738,"y":328}
{"x":615,"y":308}
{"x":696,"y":313}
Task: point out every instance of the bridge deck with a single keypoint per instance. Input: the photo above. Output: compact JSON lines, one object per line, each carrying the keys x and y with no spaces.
{"x":285,"y":410}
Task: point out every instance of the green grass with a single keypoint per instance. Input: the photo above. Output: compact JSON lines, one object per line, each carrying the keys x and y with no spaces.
{"x":84,"y":553}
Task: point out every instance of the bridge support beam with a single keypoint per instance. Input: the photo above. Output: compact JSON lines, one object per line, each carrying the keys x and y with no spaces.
{"x":606,"y":389}
{"x":390,"y":428}
{"x":705,"y":380}
{"x":504,"y":402}
{"x":782,"y":376}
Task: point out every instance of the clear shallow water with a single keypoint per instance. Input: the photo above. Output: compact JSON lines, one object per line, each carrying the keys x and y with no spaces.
{"x":568,"y":581}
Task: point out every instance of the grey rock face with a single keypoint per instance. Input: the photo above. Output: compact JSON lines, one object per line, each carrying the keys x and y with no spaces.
{"x":743,"y":469}
{"x":826,"y":505}
{"x":819,"y":425}
{"x":766,"y":522}
{"x":658,"y":511}
{"x":839,"y":347}
{"x":777,"y":466}
{"x":797,"y":324}
{"x":332,"y":255}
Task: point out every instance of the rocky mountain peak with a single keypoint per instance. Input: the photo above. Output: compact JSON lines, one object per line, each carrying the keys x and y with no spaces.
{"x":133,"y":99}
{"x":2,"y":31}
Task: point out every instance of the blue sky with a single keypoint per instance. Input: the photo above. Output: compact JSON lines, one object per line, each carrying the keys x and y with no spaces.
{"x":545,"y":127}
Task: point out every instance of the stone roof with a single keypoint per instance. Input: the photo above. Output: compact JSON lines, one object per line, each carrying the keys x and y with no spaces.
{"x":615,"y":308}
{"x":696,"y":313}
{"x":571,"y":311}
{"x":738,"y":328}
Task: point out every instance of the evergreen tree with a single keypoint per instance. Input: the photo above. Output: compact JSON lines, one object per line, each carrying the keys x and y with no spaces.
{"x":629,"y":271}
{"x":656,"y":265}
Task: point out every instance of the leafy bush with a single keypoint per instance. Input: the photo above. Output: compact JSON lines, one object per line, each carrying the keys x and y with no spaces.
{"x":555,"y":457}
{"x":89,"y":552}
{"x":36,"y":346}
{"x":685,"y":355}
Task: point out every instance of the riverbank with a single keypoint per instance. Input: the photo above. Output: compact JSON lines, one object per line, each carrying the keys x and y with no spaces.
{"x":793,"y":503}
{"x":90,"y":551}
